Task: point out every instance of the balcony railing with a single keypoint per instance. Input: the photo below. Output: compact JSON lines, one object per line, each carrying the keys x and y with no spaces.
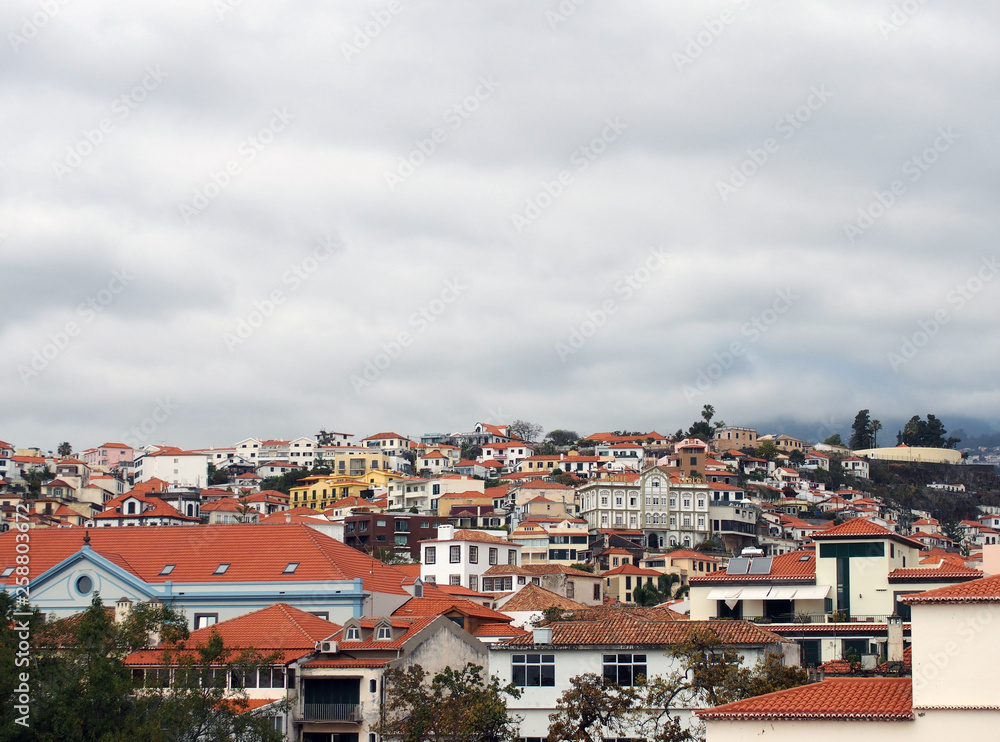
{"x":350,"y":712}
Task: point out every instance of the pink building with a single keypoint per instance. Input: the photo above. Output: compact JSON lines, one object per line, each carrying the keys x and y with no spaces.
{"x":109,"y":455}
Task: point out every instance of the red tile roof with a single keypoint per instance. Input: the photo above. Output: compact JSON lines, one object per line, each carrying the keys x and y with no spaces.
{"x":256,"y":553}
{"x":863,"y":528}
{"x":533,"y":597}
{"x":795,"y":566}
{"x":438,"y":607}
{"x":631,"y":569}
{"x":947,"y":572}
{"x":868,"y":699}
{"x":985,"y":590}
{"x":499,"y":630}
{"x":477,"y":536}
{"x":277,"y":627}
{"x":620,"y":625}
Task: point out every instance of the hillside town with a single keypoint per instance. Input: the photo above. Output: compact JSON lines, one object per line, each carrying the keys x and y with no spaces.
{"x":538,"y":559}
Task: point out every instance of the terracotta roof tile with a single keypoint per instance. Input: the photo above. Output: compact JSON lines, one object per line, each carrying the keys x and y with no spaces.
{"x":985,"y":590}
{"x":198,"y":550}
{"x":871,"y":699}
{"x":948,"y":571}
{"x":533,"y":597}
{"x":795,"y":566}
{"x":863,"y":528}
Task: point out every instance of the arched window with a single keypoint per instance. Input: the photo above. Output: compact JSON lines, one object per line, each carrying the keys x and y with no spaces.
{"x":656,"y":519}
{"x":648,"y":518}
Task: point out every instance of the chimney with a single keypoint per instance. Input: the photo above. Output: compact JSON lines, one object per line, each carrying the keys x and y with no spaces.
{"x":895,"y":648}
{"x":446,"y":532}
{"x":122,"y":608}
{"x":542,"y":635}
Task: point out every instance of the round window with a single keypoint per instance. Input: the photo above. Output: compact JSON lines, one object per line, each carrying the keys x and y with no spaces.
{"x":84,"y":584}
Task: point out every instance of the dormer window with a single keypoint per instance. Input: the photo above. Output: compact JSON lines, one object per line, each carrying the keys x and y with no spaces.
{"x":167,"y":569}
{"x":221,"y":569}
{"x":384,"y":632}
{"x":353,"y":634}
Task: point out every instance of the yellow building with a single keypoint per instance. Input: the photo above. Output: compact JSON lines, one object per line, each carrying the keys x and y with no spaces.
{"x":319,"y":493}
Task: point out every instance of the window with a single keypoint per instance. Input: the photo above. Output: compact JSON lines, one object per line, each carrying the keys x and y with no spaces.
{"x":454,"y":554}
{"x":473,"y":554}
{"x":290,"y":568}
{"x":167,"y":569}
{"x":221,"y":569}
{"x":201,"y":620}
{"x":8,"y":572}
{"x":455,"y":579}
{"x":493,"y":555}
{"x":533,"y":670}
{"x":384,"y":632}
{"x":624,"y":669}
{"x":570,"y":589}
{"x":430,"y":555}
{"x":511,"y":557}
{"x":380,"y":523}
{"x":474,"y":582}
{"x":353,"y":634}
{"x":325,"y":615}
{"x":85,"y":584}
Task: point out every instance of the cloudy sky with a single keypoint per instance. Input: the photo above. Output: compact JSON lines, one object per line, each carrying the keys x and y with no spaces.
{"x":225,"y":218}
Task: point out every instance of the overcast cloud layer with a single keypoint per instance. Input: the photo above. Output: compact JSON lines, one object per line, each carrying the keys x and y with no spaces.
{"x":270,"y":218}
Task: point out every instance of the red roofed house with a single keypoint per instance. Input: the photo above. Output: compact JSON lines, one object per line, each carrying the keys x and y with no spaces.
{"x":618,"y":642}
{"x":108,"y":455}
{"x":286,"y":632}
{"x":955,"y":661}
{"x":340,"y":688}
{"x":211,"y":572}
{"x":460,"y":557}
{"x":171,"y":464}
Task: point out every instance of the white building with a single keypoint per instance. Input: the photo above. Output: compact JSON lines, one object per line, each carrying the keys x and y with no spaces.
{"x":172,"y":465}
{"x":459,"y":557}
{"x":618,"y":643}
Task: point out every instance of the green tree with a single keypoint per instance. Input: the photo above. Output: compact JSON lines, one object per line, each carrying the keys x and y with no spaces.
{"x":34,"y":479}
{"x":217,"y":476}
{"x":766,"y":450}
{"x":834,"y":440}
{"x":929,"y":433}
{"x":592,"y":708}
{"x":562,"y":437}
{"x":704,"y":428}
{"x":65,"y":449}
{"x":455,"y":705}
{"x":82,"y":690}
{"x":861,"y":437}
{"x":797,"y":457}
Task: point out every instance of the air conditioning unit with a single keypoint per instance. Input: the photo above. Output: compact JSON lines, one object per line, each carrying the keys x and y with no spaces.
{"x":326,"y":647}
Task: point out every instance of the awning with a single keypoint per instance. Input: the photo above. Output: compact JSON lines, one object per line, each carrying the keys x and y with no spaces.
{"x":812,"y":592}
{"x":755,"y":593}
{"x":724,"y":593}
{"x":782,"y":593}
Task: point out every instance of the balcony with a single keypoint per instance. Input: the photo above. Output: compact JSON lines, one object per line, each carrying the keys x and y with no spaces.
{"x":345,"y":712}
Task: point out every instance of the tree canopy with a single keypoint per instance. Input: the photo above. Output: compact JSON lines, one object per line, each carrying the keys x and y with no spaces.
{"x":930,"y":433}
{"x":524,"y":430}
{"x":453,"y":705}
